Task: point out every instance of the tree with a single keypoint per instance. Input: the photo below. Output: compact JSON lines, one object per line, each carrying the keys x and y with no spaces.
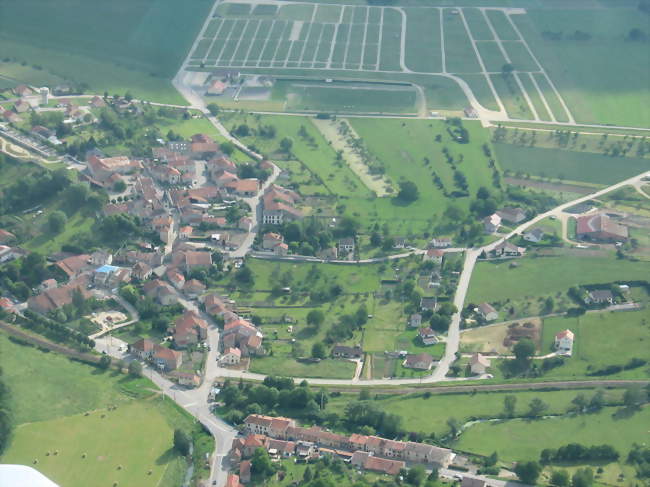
{"x":318,"y":350}
{"x":524,"y":350}
{"x":416,"y":475}
{"x":454,"y":426}
{"x":104,"y":362}
{"x":507,"y":69}
{"x":213,"y":108}
{"x":634,"y":397}
{"x":286,"y":144}
{"x":261,"y":463}
{"x":307,"y":475}
{"x":560,"y":478}
{"x":56,"y":221}
{"x":315,"y":317}
{"x":509,"y":403}
{"x":119,"y":186}
{"x":580,"y":403}
{"x":135,"y":368}
{"x":537,"y":407}
{"x":408,"y":191}
{"x":528,"y":472}
{"x":597,"y":401}
{"x":583,"y":477}
{"x":182,"y":442}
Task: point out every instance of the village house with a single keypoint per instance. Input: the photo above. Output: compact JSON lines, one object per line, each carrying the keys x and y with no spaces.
{"x":599,"y":296}
{"x":329,"y":253}
{"x":509,"y":214}
{"x":600,"y":227}
{"x":230,"y":356}
{"x":478,"y":364}
{"x":281,"y":249}
{"x":428,"y":303}
{"x":187,"y":379}
{"x":189,"y":329}
{"x":343,"y":351}
{"x":176,"y":278}
{"x":196,"y":259}
{"x":74,"y":265}
{"x":371,"y":463}
{"x":433,"y":255}
{"x":243,"y":335}
{"x":419,"y":361}
{"x":166,"y":358}
{"x":487,"y":312}
{"x":399,"y":243}
{"x":214,"y":305}
{"x":441,"y":242}
{"x":279,"y":205}
{"x":111,"y":276}
{"x":346,"y":245}
{"x":22,"y":106}
{"x":160,"y":291}
{"x":427,"y":336}
{"x":564,"y":342}
{"x":142,"y":349}
{"x":9,"y":116}
{"x":141,"y":271}
{"x":193,"y":288}
{"x":507,"y":249}
{"x":535,"y":235}
{"x":415,"y":320}
{"x":22,"y":90}
{"x":233,"y":481}
{"x":245,"y":223}
{"x":270,"y":240}
{"x":55,"y":298}
{"x":491,"y":223}
{"x":243,"y":187}
{"x":245,"y":471}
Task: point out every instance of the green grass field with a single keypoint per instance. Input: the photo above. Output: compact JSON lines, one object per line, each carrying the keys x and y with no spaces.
{"x":50,"y":395}
{"x":131,"y":445}
{"x":602,"y":339}
{"x":537,"y":276}
{"x":285,"y":366}
{"x":430,"y":415}
{"x":569,"y":165}
{"x":603,"y":79}
{"x":523,"y":440}
{"x":137,"y":46}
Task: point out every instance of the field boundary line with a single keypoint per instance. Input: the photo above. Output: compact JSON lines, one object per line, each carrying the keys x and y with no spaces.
{"x":217,"y":61}
{"x":241,"y":38}
{"x":214,"y":39}
{"x":363,"y":42}
{"x":259,"y":24}
{"x":311,"y":26}
{"x":502,"y":107}
{"x":381,"y":37}
{"x":266,"y":41}
{"x":442,"y":41}
{"x":542,"y":97}
{"x":277,"y":47}
{"x":347,"y":40}
{"x":328,"y":65}
{"x":402,"y":42}
{"x":539,"y":65}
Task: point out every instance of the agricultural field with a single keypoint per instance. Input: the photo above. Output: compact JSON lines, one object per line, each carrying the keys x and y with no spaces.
{"x":137,"y":53}
{"x":609,"y":91}
{"x":567,"y":165}
{"x":537,"y":277}
{"x":522,"y":439}
{"x":382,"y":43}
{"x":403,"y":150}
{"x":428,"y":413}
{"x":602,"y":339}
{"x":82,"y":402}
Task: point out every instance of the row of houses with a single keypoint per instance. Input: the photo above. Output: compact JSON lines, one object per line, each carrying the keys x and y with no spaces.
{"x":409,"y":451}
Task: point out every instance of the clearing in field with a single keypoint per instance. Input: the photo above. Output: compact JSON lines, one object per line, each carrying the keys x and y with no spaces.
{"x":340,"y":135}
{"x":497,"y":338}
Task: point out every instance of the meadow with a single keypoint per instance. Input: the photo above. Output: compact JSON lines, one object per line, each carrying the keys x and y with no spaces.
{"x":601,"y":339}
{"x":70,"y":389}
{"x":545,"y":276}
{"x":522,"y":439}
{"x":428,"y":413}
{"x":569,"y":165}
{"x":138,"y":47}
{"x":604,"y":78}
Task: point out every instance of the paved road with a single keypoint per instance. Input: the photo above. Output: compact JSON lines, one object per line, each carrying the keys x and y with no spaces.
{"x":255,"y":204}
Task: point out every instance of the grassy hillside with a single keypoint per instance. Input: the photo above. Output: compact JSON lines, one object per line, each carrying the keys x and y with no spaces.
{"x":124,"y":44}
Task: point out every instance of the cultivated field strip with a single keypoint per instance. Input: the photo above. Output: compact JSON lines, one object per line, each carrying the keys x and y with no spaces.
{"x":335,"y":39}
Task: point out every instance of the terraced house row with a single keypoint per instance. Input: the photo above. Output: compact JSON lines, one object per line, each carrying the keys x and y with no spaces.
{"x":286,"y":429}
